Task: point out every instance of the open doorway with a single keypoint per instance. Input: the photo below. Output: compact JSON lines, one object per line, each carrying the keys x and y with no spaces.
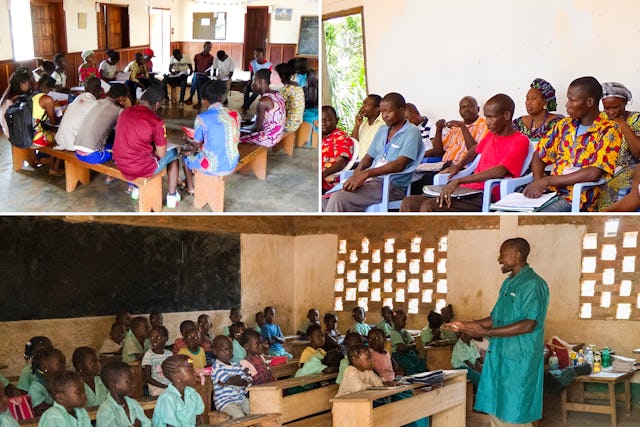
{"x":256,"y":32}
{"x":345,"y":63}
{"x":160,"y":38}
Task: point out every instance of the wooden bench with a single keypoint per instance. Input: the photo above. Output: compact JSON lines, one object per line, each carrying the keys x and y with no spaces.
{"x":306,"y":135}
{"x":265,"y":398}
{"x":206,"y":392}
{"x":446,"y":405}
{"x":209,"y":189}
{"x":322,"y":420}
{"x":77,"y":171}
{"x":148,"y":405}
{"x":296,"y":347}
{"x":286,"y":143}
{"x":138,"y":380}
{"x":259,"y":420}
{"x":286,"y":369}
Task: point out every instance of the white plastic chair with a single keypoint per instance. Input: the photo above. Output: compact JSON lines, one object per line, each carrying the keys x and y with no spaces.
{"x":442,"y":179}
{"x":352,"y":161}
{"x":385,"y":204}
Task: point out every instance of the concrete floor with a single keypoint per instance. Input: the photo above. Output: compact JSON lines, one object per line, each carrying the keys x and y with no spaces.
{"x":291,"y":184}
{"x":552,"y":416}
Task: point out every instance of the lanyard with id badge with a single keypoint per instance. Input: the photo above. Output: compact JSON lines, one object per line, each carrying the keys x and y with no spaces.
{"x":383,"y":160}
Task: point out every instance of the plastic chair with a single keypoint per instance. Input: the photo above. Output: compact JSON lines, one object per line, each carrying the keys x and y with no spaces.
{"x":513,"y":183}
{"x":441,"y":179}
{"x":352,"y":161}
{"x":385,"y":204}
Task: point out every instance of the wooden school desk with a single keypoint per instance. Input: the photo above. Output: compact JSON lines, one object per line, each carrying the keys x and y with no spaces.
{"x":270,"y":397}
{"x":577,"y":394}
{"x":286,"y":369}
{"x":446,"y":405}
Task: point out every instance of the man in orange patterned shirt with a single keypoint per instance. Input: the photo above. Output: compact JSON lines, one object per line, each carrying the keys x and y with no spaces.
{"x":580,"y":148}
{"x":337,"y":148}
{"x":462,"y":136}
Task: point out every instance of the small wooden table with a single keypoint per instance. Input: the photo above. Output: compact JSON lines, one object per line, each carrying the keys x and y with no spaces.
{"x":446,"y":405}
{"x":576,"y":390}
{"x":438,"y":357}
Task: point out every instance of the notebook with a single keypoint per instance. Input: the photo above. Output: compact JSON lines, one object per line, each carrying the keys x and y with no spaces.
{"x":518,"y":202}
{"x":460,"y":192}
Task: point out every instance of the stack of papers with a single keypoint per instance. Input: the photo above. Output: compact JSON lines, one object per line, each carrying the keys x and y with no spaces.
{"x":518,"y":202}
{"x":426,"y":378}
{"x":623,"y":364}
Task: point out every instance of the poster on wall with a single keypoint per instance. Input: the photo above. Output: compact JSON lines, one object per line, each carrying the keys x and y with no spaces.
{"x":220,"y":32}
{"x":283,"y":14}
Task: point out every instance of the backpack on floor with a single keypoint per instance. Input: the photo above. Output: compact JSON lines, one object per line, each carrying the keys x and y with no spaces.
{"x":19,"y":117}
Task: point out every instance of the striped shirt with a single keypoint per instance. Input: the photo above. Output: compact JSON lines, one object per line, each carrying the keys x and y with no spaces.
{"x":425,"y":133}
{"x":154,"y":360}
{"x":453,"y":144}
{"x":226,"y":394}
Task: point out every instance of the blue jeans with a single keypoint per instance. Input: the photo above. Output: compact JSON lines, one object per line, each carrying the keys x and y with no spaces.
{"x":97,"y":156}
{"x":171,"y":156}
{"x":197,"y":81}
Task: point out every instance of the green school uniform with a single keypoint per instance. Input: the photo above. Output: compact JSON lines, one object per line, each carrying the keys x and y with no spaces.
{"x":385,"y":326}
{"x":111,"y":414}
{"x":257,"y":328}
{"x":26,"y":378}
{"x":7,"y":420}
{"x":360,"y":328}
{"x":96,"y":398}
{"x":4,"y":380}
{"x":239,"y":352}
{"x":462,"y":352}
{"x":39,"y":393}
{"x":172,"y":409}
{"x":57,"y":416}
{"x":410,"y":361}
{"x":343,"y":365}
{"x":512,"y":376}
{"x":131,"y":346}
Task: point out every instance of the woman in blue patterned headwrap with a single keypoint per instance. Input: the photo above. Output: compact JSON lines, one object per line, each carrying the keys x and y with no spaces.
{"x":615,"y":97}
{"x":541,"y":100}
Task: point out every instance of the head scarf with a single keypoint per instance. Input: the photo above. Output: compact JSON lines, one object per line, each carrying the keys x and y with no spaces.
{"x":615,"y":89}
{"x":547,"y":91}
{"x":85,"y":54}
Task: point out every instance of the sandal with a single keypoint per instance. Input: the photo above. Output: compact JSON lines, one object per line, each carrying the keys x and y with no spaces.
{"x":182,"y":185}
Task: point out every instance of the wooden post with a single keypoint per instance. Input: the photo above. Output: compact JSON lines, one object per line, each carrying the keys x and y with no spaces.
{"x":209,"y":189}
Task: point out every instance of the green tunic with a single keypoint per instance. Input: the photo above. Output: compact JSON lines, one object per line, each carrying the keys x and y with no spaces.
{"x":39,"y":394}
{"x":26,"y":378}
{"x":7,"y":420}
{"x":385,"y":326}
{"x":360,"y":328}
{"x":57,"y":416}
{"x":409,"y":360}
{"x":512,"y":376}
{"x":172,"y":409}
{"x":96,"y":398}
{"x":131,"y":346}
{"x":111,"y":414}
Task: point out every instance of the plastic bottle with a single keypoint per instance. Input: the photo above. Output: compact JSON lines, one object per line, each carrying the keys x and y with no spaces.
{"x":589,"y":357}
{"x":606,"y":358}
{"x":573,"y":358}
{"x":553,"y":362}
{"x":581,"y":358}
{"x":597,"y":363}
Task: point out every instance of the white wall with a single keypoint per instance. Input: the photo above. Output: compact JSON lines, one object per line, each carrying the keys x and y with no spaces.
{"x":82,"y":39}
{"x":280,"y":31}
{"x":436,"y":52}
{"x":6,"y":52}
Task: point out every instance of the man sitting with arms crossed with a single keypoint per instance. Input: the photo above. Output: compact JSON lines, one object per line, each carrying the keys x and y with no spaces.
{"x":396,"y":146}
{"x":580,"y":148}
{"x":503,"y":152}
{"x":454,"y":145}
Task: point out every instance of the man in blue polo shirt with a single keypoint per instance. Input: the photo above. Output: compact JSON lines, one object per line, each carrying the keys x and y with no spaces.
{"x":395,"y":148}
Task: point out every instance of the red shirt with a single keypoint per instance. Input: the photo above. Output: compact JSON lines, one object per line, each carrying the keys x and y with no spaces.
{"x":336,"y":144}
{"x":138,"y":131}
{"x":508,"y":151}
{"x":202,"y":62}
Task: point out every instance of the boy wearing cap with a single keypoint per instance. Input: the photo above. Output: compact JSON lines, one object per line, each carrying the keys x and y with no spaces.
{"x":88,"y":68}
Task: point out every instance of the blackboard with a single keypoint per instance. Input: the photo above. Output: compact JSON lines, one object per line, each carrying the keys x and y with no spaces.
{"x":56,"y":269}
{"x":308,"y":38}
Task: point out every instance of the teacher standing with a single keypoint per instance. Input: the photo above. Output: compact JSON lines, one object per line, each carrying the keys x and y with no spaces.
{"x":510,"y":389}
